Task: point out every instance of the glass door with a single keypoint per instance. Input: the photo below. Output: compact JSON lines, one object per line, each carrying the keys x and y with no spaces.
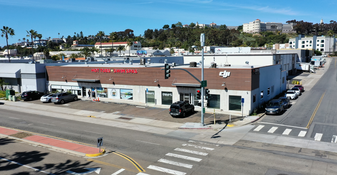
{"x":185,"y":97}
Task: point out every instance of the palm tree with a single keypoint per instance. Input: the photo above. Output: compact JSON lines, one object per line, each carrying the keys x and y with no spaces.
{"x":5,"y":31}
{"x":73,"y":55}
{"x":130,"y":43}
{"x":62,"y":55}
{"x":110,"y":51}
{"x":100,"y":35}
{"x":120,"y":48}
{"x":32,"y":34}
{"x":40,"y":37}
{"x":86,"y":52}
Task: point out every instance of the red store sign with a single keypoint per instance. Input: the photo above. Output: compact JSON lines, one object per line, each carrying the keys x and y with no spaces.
{"x":128,"y":71}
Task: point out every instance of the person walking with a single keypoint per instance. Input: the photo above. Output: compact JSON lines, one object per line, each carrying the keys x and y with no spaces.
{"x":89,"y":93}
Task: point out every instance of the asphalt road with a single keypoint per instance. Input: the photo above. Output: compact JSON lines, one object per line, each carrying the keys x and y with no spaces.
{"x":315,"y":110}
{"x":154,"y":152}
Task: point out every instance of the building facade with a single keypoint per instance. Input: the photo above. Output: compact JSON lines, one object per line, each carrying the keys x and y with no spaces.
{"x":257,"y":26}
{"x":325,"y":44}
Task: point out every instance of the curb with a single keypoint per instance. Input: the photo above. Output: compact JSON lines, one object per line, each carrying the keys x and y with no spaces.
{"x":95,"y":155}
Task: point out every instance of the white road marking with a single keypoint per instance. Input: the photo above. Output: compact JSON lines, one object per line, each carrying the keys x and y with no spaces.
{"x":318,"y":136}
{"x":184,"y":157}
{"x":165,"y":170}
{"x":258,"y":128}
{"x":191,"y":141}
{"x":148,"y":142}
{"x":117,"y":172}
{"x":35,"y":169}
{"x":286,"y":132}
{"x":175,"y":163}
{"x":302,"y":133}
{"x":192,"y":152}
{"x":272,"y":130}
{"x":200,"y":147}
{"x":142,"y":174}
{"x":14,"y":118}
{"x":283,"y":125}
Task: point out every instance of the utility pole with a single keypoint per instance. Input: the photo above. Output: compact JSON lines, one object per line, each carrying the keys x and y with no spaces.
{"x":202,"y":41}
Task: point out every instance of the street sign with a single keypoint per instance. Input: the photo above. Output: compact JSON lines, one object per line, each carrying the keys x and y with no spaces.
{"x":242,"y":100}
{"x":147,"y":90}
{"x":204,"y":83}
{"x":100,"y":142}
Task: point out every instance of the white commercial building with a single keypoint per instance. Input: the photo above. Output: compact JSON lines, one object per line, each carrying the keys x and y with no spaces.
{"x":325,"y":44}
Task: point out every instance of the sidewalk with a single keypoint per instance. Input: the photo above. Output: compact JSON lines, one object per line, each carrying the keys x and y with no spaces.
{"x":56,"y":144}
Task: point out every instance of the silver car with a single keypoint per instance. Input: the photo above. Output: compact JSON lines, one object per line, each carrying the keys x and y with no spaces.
{"x":46,"y":98}
{"x":63,"y":97}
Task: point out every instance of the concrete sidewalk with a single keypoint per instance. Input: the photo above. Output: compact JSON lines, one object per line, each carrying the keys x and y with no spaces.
{"x":54,"y":143}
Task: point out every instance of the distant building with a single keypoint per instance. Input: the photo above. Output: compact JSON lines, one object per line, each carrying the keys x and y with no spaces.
{"x":77,"y":46}
{"x":41,"y":42}
{"x":325,"y":44}
{"x":258,"y":26}
{"x":11,"y":52}
{"x":57,"y":40}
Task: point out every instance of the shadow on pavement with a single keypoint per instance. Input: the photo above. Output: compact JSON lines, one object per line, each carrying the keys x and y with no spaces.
{"x":5,"y":141}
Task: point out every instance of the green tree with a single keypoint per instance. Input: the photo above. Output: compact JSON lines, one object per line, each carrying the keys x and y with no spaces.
{"x":46,"y":53}
{"x":330,"y":33}
{"x":110,"y":51}
{"x":73,"y":55}
{"x":62,"y":55}
{"x":166,"y":26}
{"x":100,"y":35}
{"x":120,"y":48}
{"x":2,"y":83}
{"x":32,"y":34}
{"x":192,"y":25}
{"x":5,"y":31}
{"x":86,"y":52}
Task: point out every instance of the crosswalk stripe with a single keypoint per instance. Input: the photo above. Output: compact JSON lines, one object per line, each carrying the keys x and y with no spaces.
{"x":175,"y":163}
{"x":259,"y":128}
{"x":184,"y":157}
{"x":302,"y":133}
{"x":165,"y":170}
{"x":200,"y":147}
{"x":192,"y":152}
{"x":117,"y":172}
{"x":286,"y":132}
{"x":273,"y":129}
{"x":142,"y":174}
{"x":318,"y":136}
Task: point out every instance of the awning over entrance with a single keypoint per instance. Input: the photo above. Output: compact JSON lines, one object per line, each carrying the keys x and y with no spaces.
{"x":185,"y":85}
{"x":86,"y":80}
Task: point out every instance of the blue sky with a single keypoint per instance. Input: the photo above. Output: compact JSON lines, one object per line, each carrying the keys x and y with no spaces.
{"x":68,"y":16}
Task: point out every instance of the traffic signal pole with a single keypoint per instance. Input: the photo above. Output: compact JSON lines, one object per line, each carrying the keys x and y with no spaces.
{"x":202,"y":41}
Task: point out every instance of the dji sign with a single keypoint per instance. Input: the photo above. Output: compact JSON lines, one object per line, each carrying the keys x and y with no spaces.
{"x":224,"y":74}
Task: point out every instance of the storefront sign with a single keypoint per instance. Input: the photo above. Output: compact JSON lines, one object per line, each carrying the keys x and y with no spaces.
{"x":224,"y":74}
{"x":128,"y":71}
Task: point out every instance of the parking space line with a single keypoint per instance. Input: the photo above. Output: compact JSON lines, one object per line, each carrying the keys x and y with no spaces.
{"x":302,"y":133}
{"x":272,"y":130}
{"x":258,"y":128}
{"x":318,"y":136}
{"x":117,"y":172}
{"x":287,"y":132}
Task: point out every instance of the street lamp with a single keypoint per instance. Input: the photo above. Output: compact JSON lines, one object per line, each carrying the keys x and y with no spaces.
{"x":202,"y":41}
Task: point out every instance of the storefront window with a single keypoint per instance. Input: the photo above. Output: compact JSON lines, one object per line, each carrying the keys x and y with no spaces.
{"x":127,"y":94}
{"x":166,"y":98}
{"x":214,"y":101}
{"x":102,"y":92}
{"x":114,"y":93}
{"x":150,"y":97}
{"x":235,"y":103}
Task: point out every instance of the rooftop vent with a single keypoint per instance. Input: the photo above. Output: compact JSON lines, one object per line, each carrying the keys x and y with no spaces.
{"x":193,"y":64}
{"x":142,"y":61}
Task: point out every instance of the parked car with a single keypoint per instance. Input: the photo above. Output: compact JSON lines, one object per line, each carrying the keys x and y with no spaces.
{"x":274,"y":106}
{"x":297,"y":90}
{"x":31,"y":95}
{"x":46,"y":98}
{"x":285,"y":102}
{"x":300,"y":87}
{"x":63,"y":97}
{"x":291,"y":94}
{"x":181,"y":108}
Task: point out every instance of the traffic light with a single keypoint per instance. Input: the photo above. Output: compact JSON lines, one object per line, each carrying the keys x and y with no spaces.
{"x":167,"y":71}
{"x":198,"y":94}
{"x":207,"y":95}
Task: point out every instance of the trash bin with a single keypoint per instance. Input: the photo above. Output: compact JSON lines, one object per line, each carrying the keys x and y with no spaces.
{"x":13,"y":98}
{"x":9,"y":92}
{"x":9,"y":97}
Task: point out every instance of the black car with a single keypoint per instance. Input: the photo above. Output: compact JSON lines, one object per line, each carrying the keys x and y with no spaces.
{"x":274,"y":107}
{"x":181,"y":108}
{"x":31,"y":95}
{"x":285,"y":102}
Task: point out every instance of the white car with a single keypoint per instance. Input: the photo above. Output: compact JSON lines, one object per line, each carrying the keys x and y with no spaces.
{"x":46,"y":98}
{"x":297,"y":90}
{"x":291,"y":94}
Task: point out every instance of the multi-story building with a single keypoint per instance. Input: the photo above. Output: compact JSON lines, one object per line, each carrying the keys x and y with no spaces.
{"x":258,"y":26}
{"x":325,"y":44}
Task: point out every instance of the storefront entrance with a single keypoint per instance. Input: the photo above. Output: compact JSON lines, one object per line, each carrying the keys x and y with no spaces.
{"x":186,"y":97}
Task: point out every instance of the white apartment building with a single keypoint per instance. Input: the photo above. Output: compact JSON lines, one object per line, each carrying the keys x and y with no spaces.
{"x":258,"y":26}
{"x":325,"y":44}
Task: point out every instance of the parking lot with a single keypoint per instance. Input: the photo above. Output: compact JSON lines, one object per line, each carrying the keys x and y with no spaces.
{"x":133,"y":111}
